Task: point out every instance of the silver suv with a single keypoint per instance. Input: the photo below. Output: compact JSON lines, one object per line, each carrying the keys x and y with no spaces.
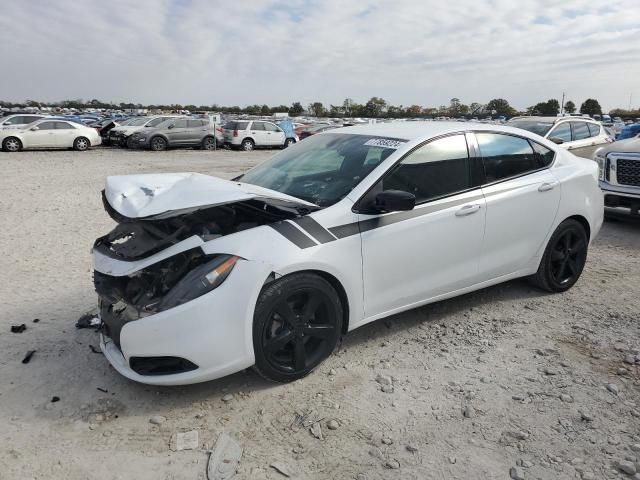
{"x":250,"y":134}
{"x":177,"y":132}
{"x":619,"y":165}
{"x":581,"y":136}
{"x":19,"y":121}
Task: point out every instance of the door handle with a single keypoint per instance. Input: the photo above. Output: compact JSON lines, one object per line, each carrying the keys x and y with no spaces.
{"x":468,"y":210}
{"x":545,"y":187}
{"x":570,"y":148}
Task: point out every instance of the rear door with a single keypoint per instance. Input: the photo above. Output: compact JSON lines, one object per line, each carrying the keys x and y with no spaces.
{"x":43,"y":137}
{"x":65,"y":134}
{"x":522,"y":198}
{"x":581,"y":144}
{"x":197,"y":129}
{"x":258,"y":132}
{"x":179,"y":133}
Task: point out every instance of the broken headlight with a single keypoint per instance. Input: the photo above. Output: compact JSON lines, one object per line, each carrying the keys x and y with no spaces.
{"x":199,"y":281}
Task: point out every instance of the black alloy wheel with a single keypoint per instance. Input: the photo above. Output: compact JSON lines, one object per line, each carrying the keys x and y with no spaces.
{"x":158,"y":144}
{"x":297,"y":324}
{"x":564,"y":257}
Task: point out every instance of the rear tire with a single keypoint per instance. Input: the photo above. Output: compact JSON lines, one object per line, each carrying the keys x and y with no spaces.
{"x":158,"y":144}
{"x":296,"y":325}
{"x":209,"y":143}
{"x":81,"y":144}
{"x":563,"y":259}
{"x":11,"y":144}
{"x":248,"y":145}
{"x":288,"y":142}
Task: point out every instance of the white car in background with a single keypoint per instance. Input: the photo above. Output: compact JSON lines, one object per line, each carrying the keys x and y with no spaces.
{"x":203,"y":277}
{"x":250,"y":134}
{"x":18,"y":121}
{"x":581,"y":136}
{"x":47,"y":133}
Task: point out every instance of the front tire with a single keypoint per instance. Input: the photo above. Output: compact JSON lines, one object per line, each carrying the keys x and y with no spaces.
{"x":564,"y":258}
{"x":248,"y":145}
{"x":81,"y":144}
{"x":12,"y":144}
{"x":297,"y":324}
{"x":158,"y":144}
{"x":288,"y":142}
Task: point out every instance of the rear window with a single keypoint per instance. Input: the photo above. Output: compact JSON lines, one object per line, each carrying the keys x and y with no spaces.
{"x":594,"y":129}
{"x":236,"y":126}
{"x":580,"y":130}
{"x":535,"y":126}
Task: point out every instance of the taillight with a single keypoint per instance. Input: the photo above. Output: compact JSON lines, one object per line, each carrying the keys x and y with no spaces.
{"x":218,"y":129}
{"x":235,"y":133}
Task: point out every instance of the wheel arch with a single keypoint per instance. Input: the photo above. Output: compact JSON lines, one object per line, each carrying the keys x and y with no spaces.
{"x":333,"y":281}
{"x":582,"y":221}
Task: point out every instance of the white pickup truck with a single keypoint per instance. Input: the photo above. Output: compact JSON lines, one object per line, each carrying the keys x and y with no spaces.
{"x":619,"y":165}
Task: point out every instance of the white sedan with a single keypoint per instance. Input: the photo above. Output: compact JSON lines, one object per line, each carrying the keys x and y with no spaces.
{"x":203,"y":277}
{"x":47,"y":133}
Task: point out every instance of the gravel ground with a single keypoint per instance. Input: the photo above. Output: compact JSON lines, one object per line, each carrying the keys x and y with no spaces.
{"x":507,"y":382}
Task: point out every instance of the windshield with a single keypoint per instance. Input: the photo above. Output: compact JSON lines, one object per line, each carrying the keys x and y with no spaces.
{"x":324,"y":168}
{"x":532,"y":125}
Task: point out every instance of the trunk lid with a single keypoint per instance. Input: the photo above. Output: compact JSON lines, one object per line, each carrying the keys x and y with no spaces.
{"x":157,"y":196}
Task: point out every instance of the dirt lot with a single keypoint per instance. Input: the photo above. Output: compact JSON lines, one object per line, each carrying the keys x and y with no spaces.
{"x":503,"y":382}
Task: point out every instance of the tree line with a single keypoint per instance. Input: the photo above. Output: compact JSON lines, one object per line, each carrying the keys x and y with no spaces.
{"x":375,"y":107}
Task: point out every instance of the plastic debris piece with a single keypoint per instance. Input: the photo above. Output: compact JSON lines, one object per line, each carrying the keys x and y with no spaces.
{"x":184,"y":441}
{"x":27,"y":357}
{"x":18,"y":328}
{"x":224,"y":460}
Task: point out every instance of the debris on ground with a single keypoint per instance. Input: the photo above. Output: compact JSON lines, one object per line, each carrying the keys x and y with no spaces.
{"x":281,"y":468}
{"x":316,"y":431}
{"x":94,"y":349}
{"x":27,"y":357}
{"x":55,"y":399}
{"x":157,"y":420}
{"x":88,"y":320}
{"x":184,"y":441}
{"x":36,"y":320}
{"x":18,"y":328}
{"x":224,"y":459}
{"x":103,"y":390}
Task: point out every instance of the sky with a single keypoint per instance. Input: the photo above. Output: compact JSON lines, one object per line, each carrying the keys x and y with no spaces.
{"x":241,"y":52}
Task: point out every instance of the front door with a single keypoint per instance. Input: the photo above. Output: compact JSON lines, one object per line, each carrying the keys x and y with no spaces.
{"x":412,"y":256}
{"x":275,"y":136}
{"x":43,"y":137}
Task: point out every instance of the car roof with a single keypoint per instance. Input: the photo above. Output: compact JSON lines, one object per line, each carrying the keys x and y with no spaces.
{"x":551,"y":119}
{"x":414,"y":131}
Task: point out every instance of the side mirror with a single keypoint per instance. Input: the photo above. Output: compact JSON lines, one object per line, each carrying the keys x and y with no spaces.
{"x":556,"y":140}
{"x":395,"y":201}
{"x":34,"y":129}
{"x":171,"y":126}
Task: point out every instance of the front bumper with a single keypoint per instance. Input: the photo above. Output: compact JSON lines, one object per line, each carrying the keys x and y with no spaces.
{"x":621,"y":196}
{"x":214,"y":332}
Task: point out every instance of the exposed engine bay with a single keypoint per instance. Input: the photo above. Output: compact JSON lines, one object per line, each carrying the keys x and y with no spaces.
{"x":133,"y":239}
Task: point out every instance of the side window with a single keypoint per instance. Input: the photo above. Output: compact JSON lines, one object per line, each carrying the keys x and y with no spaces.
{"x":47,"y":125}
{"x":594,"y":129}
{"x":435,"y":170}
{"x":242,"y":125}
{"x":580,"y":130}
{"x":194,"y":123}
{"x":270,"y":127}
{"x":505,"y":156}
{"x":257,"y":126}
{"x":180,"y":123}
{"x":562,"y":131}
{"x":14,"y":121}
{"x":63,"y":126}
{"x":543,"y":155}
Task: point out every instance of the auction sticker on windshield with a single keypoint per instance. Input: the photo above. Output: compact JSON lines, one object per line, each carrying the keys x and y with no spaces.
{"x":385,"y":142}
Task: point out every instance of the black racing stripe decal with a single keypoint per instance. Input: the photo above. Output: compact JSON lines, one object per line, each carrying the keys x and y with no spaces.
{"x":315,"y":229}
{"x":349,"y":229}
{"x":342,"y":231}
{"x":292,"y":234}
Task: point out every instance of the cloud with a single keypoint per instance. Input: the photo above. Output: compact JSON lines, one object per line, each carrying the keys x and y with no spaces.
{"x":266,"y":51}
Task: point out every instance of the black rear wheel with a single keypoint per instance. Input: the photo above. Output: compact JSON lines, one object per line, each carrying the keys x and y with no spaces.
{"x":209,"y":143}
{"x":297,"y":324}
{"x":564,"y":258}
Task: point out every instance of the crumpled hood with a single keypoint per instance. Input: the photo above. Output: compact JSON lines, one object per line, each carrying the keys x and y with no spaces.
{"x":169,"y":194}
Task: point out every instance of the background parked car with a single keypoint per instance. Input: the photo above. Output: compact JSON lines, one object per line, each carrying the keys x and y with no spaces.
{"x":18,"y":121}
{"x":629,"y":131}
{"x":49,"y":133}
{"x":580,"y":136}
{"x":177,"y":132}
{"x":250,"y":134}
{"x":312,"y":130}
{"x":120,"y":135}
{"x":619,"y":168}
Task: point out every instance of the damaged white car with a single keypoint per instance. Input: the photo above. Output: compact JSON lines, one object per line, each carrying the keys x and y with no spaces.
{"x":203,"y":277}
